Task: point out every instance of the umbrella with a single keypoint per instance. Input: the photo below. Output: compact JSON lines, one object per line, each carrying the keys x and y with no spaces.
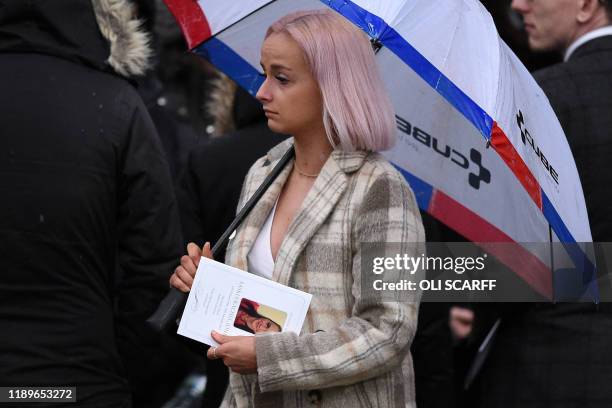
{"x":477,"y":139}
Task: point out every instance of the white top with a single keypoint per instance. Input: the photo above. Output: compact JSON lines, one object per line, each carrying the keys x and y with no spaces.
{"x":259,"y":259}
{"x":600,"y":32}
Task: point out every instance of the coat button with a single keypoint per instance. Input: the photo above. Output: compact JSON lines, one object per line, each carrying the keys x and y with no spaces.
{"x":314,"y":396}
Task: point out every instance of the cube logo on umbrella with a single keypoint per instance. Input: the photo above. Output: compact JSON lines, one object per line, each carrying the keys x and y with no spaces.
{"x":482,"y":174}
{"x":464,"y":104}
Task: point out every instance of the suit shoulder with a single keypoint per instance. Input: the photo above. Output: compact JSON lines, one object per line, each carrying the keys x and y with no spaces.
{"x":573,"y":72}
{"x":561,"y":84}
{"x":558,"y":73}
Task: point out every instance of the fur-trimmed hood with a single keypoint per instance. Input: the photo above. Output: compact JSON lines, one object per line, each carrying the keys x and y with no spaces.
{"x":220,"y":104}
{"x":103,"y":34}
{"x":130,"y":49}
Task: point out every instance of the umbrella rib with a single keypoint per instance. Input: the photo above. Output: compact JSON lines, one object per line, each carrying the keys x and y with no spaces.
{"x":448,"y":51}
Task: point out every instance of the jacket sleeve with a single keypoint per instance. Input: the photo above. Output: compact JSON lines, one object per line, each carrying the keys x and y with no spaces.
{"x":188,"y":193}
{"x":150,"y":242}
{"x":377,"y":336}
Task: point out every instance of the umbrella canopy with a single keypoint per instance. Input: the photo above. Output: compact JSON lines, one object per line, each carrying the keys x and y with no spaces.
{"x":477,"y":139}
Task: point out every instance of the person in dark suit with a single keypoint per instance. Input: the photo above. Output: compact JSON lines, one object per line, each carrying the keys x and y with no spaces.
{"x":557,"y":355}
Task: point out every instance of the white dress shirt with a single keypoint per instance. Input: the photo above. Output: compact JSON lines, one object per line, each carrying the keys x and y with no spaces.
{"x":259,"y":259}
{"x":600,"y":32}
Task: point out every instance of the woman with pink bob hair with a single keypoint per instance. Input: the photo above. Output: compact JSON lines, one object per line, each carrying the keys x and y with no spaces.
{"x":322,"y":87}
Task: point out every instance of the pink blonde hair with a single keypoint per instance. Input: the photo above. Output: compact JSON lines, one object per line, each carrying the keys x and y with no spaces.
{"x":357,"y":112}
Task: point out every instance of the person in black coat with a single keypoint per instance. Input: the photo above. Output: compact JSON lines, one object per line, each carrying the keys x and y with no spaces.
{"x":89,"y":226}
{"x":557,"y":355}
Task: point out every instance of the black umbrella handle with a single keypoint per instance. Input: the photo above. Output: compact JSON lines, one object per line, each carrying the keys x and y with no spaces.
{"x":174,"y":302}
{"x":168,"y":310}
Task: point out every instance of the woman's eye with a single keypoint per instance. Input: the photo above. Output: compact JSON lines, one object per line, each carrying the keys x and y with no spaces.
{"x":281,"y":79}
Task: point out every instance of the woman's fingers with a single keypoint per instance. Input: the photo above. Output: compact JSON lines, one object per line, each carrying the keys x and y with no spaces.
{"x":188,"y":264}
{"x":177,"y":282}
{"x":183,"y":275}
{"x":194,"y":252}
{"x":213,"y":353}
{"x":221,"y":339}
{"x":237,"y":353}
{"x":206,"y":252}
{"x":183,"y":280}
{"x":219,"y":351}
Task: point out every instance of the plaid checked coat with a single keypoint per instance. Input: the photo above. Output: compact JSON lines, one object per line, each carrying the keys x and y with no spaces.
{"x":351,"y":352}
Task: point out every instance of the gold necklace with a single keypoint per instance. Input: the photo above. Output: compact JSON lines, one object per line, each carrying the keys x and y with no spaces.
{"x":305,"y":174}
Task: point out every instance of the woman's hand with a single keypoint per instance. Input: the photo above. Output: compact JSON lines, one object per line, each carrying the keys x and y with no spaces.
{"x":183,"y":275}
{"x":237,"y":352}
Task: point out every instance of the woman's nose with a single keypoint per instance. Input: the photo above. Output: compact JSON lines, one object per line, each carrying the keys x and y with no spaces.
{"x":263,"y":95}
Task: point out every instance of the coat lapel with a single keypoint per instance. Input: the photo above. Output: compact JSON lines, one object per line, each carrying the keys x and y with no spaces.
{"x":318,"y":204}
{"x":251,"y":226}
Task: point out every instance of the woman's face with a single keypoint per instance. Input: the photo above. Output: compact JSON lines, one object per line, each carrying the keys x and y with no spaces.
{"x":290,"y":94}
{"x":262,"y":325}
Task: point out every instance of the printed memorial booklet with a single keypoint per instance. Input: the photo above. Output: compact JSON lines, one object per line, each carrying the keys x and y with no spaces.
{"x":237,"y":303}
